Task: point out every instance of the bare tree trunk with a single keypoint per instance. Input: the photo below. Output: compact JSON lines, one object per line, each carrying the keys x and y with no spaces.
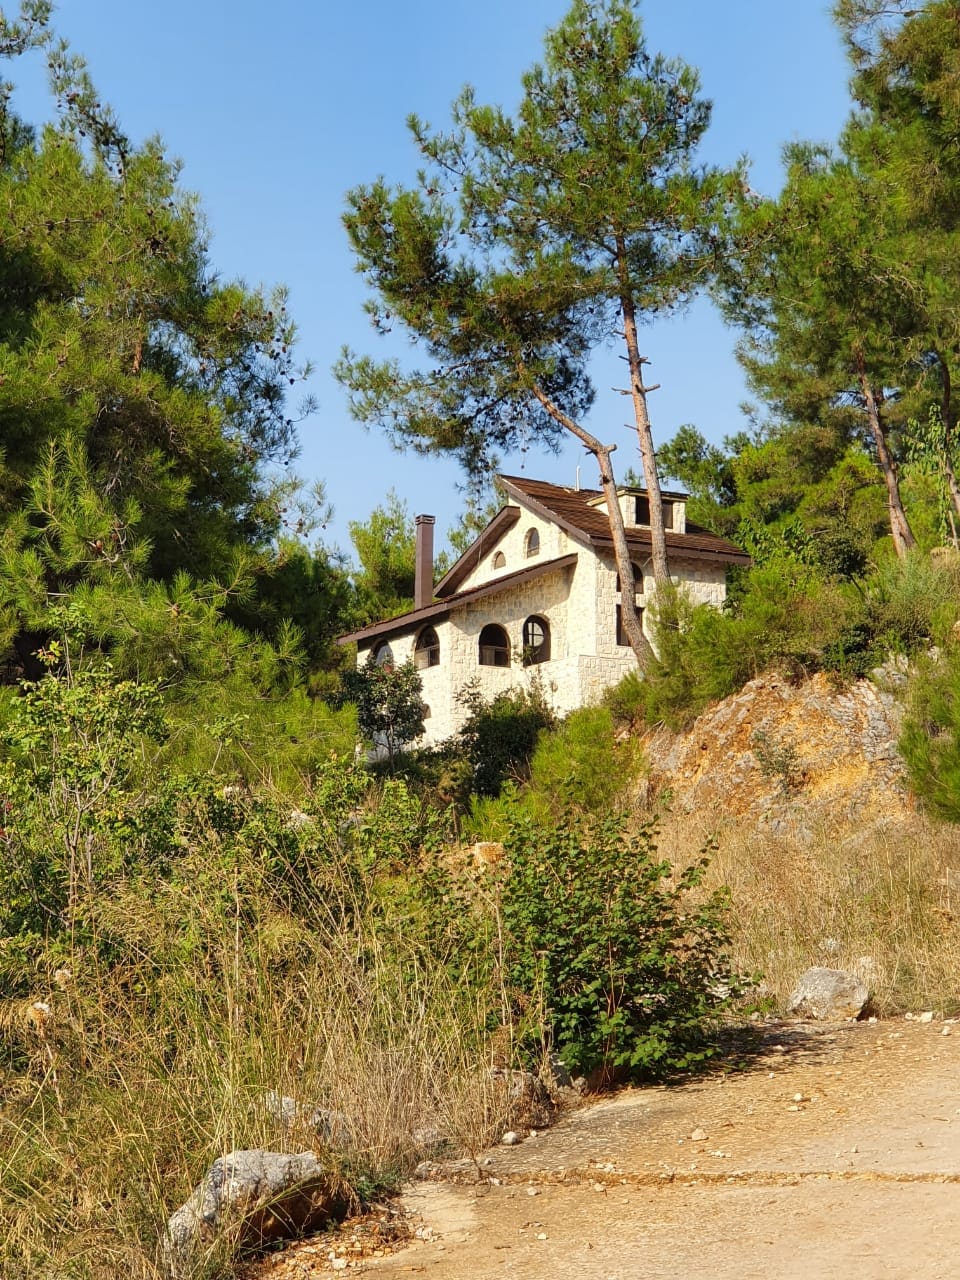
{"x":621,"y":552}
{"x":651,"y":477}
{"x":903,"y":539}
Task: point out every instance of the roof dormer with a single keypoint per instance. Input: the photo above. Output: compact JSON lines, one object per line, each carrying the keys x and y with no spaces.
{"x":635,"y":508}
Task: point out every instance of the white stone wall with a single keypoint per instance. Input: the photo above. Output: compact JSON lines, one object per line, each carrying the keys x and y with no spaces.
{"x":554,"y":543}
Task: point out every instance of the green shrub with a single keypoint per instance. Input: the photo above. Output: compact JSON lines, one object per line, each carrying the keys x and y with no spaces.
{"x":930,"y":739}
{"x":580,"y":765}
{"x":630,"y":963}
{"x":389,"y":704}
{"x":498,"y":737}
{"x":909,"y":604}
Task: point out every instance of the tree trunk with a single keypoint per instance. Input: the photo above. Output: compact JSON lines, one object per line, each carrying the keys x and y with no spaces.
{"x":638,"y":392}
{"x":903,"y":539}
{"x":621,"y":552}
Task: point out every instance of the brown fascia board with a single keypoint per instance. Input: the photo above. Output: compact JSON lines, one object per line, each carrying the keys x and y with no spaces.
{"x":404,"y":622}
{"x":679,"y":549}
{"x":505,"y":519}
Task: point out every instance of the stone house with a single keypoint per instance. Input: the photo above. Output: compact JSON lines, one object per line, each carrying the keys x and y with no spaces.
{"x":538,"y":595}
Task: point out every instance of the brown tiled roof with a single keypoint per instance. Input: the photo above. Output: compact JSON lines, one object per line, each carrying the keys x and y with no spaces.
{"x":572,"y":510}
{"x":411,"y":620}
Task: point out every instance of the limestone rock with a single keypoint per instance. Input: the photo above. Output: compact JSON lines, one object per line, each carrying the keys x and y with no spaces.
{"x":788,"y":753}
{"x":827,"y":994}
{"x":251,"y":1198}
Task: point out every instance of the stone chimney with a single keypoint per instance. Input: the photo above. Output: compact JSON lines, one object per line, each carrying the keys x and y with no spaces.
{"x":423,"y":581}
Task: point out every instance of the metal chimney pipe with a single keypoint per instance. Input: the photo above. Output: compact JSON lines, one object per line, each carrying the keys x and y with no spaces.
{"x":423,"y":579}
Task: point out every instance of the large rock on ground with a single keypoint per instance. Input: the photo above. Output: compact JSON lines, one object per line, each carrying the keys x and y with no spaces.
{"x":826,"y":994}
{"x":251,"y":1198}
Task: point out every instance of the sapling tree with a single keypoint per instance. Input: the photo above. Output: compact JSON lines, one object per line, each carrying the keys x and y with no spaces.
{"x":390,"y":708}
{"x":529,"y":240}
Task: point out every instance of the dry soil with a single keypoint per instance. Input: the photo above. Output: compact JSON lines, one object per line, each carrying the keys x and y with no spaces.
{"x":824,"y":1153}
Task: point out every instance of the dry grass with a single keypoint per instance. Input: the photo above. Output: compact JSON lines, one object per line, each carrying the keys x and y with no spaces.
{"x":119,"y":1084}
{"x":882,"y":901}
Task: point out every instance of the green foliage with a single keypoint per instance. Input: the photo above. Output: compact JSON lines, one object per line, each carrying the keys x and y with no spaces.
{"x":785,"y":615}
{"x":389,"y":706}
{"x":578,"y":766}
{"x":629,"y":961}
{"x":498,"y":737}
{"x":386,"y":547}
{"x":143,"y":400}
{"x":74,"y":748}
{"x":930,"y":740}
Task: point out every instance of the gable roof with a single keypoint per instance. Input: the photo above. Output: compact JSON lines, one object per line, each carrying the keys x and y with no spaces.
{"x":574,"y":510}
{"x":409,"y":621}
{"x":505,"y":519}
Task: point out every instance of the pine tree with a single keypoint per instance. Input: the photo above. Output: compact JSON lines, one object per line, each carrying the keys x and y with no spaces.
{"x":142,"y":399}
{"x":531,"y":239}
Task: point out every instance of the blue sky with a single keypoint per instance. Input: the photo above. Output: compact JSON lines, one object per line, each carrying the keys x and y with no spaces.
{"x":277,"y":109}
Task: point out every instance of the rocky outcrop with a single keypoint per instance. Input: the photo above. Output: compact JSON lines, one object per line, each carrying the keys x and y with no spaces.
{"x":251,"y":1198}
{"x":780,"y":749}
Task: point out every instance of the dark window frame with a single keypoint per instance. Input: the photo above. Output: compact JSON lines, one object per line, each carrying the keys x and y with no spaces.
{"x":426,"y":651}
{"x":536,"y":652}
{"x":493,"y":646}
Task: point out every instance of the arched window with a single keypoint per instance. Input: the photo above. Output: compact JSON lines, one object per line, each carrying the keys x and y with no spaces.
{"x":536,"y":641}
{"x":531,"y":543}
{"x":383,"y":654}
{"x":499,"y":560}
{"x":426,"y":652}
{"x":494,"y":646}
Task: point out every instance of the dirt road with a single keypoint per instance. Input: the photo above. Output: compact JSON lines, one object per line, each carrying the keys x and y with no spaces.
{"x":833,"y":1153}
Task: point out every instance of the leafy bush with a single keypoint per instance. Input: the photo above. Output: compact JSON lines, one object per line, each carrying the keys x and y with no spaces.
{"x":629,"y":962}
{"x":580,"y":765}
{"x":930,"y":740}
{"x":390,"y":709}
{"x":498,"y":737}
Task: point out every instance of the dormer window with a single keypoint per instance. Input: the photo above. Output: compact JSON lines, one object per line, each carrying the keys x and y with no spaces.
{"x":531,"y":543}
{"x":642,"y":515}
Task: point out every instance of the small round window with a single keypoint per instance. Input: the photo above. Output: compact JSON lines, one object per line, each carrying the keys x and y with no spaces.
{"x":499,"y":560}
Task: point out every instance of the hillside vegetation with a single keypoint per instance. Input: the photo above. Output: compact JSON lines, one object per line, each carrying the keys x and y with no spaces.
{"x":208,"y":900}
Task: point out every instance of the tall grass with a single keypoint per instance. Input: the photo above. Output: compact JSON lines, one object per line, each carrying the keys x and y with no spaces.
{"x":150,"y":1042}
{"x":882,"y":901}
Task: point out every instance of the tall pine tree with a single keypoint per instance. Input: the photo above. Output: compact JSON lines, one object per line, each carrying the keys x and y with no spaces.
{"x":531,"y":239}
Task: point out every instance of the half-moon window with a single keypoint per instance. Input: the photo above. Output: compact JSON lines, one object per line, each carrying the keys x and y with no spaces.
{"x":531,"y":543}
{"x":536,"y":641}
{"x":383,"y":655}
{"x":426,"y":652}
{"x":499,"y":560}
{"x":494,"y":646}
